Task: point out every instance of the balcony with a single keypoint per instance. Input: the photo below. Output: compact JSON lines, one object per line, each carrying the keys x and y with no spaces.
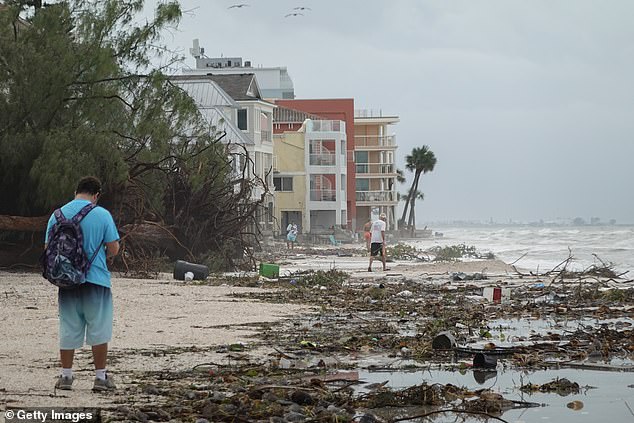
{"x":328,"y":126}
{"x":381,"y":169}
{"x":376,"y":196}
{"x":323,"y":159}
{"x":323,"y":195}
{"x":374,"y":142}
{"x":368,"y":113}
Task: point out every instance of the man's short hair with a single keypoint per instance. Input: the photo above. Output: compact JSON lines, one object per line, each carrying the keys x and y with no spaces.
{"x":88,"y":185}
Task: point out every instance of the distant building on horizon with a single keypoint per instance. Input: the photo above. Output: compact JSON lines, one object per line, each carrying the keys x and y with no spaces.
{"x":274,"y":82}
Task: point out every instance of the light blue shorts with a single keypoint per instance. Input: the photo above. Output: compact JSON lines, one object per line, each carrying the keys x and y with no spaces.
{"x":84,"y":312}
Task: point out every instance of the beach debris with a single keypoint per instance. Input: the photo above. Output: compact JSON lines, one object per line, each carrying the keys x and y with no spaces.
{"x":269,"y":270}
{"x":198,"y":271}
{"x":443,"y":341}
{"x":561,"y":386}
{"x":484,"y":361}
{"x":461,"y":276}
{"x":575,"y":405}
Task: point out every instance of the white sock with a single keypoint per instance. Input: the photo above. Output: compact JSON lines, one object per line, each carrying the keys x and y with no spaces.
{"x":100,"y":374}
{"x":67,"y":373}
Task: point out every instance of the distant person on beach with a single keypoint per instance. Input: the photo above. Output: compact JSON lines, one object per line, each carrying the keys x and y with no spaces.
{"x":377,"y":245}
{"x":367,"y":234}
{"x":85,"y":311}
{"x":291,"y":235}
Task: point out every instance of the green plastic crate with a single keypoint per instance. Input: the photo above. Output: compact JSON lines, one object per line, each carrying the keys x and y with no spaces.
{"x":269,"y":270}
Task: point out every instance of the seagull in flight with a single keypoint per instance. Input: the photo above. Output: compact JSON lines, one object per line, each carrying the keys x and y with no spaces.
{"x":237,"y":6}
{"x":302,"y":8}
{"x":294,"y":14}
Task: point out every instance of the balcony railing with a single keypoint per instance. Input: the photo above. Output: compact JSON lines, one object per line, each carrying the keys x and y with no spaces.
{"x":381,"y":168}
{"x":265,"y":135}
{"x":365,"y":113}
{"x":328,"y":126}
{"x":323,"y":195}
{"x":323,"y":159}
{"x":374,"y":140}
{"x":376,"y":196}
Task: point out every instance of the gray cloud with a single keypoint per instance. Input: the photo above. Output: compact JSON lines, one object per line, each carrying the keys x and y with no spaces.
{"x":528,"y":105}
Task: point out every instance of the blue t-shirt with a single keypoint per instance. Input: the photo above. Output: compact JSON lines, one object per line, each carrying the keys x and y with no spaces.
{"x":98,"y":228}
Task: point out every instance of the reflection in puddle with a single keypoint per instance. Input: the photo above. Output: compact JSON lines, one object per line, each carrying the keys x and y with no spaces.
{"x":603,"y":395}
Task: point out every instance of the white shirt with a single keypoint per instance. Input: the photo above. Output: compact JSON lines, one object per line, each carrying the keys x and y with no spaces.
{"x":378,"y":226}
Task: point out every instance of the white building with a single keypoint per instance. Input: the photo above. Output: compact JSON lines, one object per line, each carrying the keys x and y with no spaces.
{"x":273,"y":82}
{"x":233,"y":103}
{"x":327,"y":175}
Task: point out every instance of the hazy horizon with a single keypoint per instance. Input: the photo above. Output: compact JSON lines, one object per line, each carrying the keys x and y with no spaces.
{"x":527,"y":105}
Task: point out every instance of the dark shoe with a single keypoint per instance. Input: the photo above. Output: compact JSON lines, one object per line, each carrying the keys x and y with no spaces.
{"x":65,"y":383}
{"x":102,"y":385}
{"x":385,"y":269}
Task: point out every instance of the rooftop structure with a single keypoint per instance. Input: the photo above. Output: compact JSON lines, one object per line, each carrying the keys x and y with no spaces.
{"x":275,"y":82}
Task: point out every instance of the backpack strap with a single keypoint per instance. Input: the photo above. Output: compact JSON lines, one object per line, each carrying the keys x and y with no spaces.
{"x":82,"y":213}
{"x":94,"y":255}
{"x":59,"y":215}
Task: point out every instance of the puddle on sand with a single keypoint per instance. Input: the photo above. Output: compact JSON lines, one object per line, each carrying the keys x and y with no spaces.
{"x":608,"y":401}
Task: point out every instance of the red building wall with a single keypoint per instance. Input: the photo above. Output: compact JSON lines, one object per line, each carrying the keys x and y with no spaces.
{"x":335,"y":109}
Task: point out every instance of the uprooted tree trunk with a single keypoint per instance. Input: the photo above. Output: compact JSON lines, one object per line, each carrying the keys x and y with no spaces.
{"x":23,"y":223}
{"x":209,"y":213}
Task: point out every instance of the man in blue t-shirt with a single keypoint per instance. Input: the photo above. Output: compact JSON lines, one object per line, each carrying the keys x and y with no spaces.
{"x":86,"y":312}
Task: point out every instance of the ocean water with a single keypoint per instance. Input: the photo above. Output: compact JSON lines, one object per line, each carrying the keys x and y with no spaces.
{"x":543,"y":248}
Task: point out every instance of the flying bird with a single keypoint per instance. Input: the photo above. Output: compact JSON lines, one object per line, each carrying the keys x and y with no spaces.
{"x":294,"y":14}
{"x":302,"y":8}
{"x":236,"y":6}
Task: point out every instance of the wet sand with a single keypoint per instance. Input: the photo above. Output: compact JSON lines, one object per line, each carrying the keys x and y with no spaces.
{"x":153,"y":317}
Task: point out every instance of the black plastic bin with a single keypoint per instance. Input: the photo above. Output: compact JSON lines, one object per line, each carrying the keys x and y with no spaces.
{"x":181,"y":267}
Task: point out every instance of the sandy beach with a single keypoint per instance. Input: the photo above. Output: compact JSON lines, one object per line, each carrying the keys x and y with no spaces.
{"x":261,"y":341}
{"x":150,"y":315}
{"x":153,"y":316}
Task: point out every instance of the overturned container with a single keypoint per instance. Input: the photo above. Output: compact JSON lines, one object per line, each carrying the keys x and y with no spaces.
{"x":182,"y":267}
{"x":484,"y":361}
{"x":443,"y":341}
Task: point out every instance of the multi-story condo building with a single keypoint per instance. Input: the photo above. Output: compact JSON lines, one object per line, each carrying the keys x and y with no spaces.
{"x":375,"y":168}
{"x":310,"y":172}
{"x":341,"y":109}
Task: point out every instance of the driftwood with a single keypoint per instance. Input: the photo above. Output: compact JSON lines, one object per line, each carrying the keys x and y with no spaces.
{"x":23,"y":223}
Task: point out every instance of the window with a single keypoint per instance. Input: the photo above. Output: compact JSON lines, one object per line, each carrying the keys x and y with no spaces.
{"x":242,"y":119}
{"x":362,"y":184}
{"x":283,"y":183}
{"x":361,"y":157}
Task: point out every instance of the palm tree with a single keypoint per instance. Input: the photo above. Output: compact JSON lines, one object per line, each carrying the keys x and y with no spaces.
{"x":421,"y":161}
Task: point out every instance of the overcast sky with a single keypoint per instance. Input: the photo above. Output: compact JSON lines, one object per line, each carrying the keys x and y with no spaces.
{"x":528,"y":105}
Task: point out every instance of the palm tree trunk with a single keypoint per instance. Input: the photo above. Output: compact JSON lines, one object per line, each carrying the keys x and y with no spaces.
{"x":409,"y":197}
{"x":411,"y":221}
